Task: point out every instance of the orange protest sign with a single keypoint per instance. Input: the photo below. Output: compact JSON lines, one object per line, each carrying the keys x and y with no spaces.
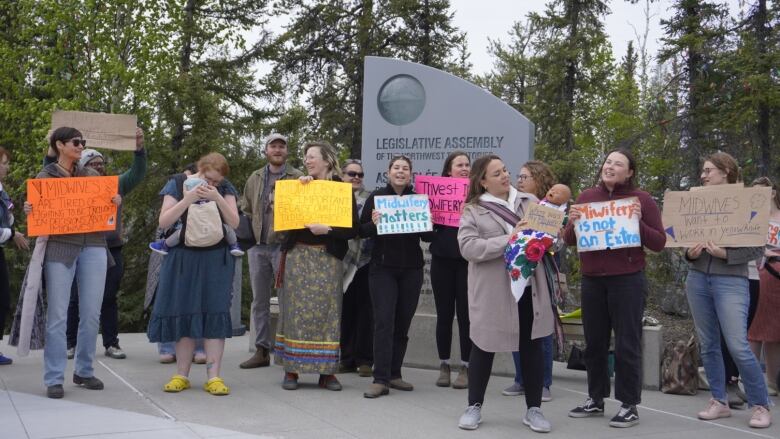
{"x":62,"y":206}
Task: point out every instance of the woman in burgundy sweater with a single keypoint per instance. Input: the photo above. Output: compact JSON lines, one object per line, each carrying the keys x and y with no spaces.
{"x":613,"y":294}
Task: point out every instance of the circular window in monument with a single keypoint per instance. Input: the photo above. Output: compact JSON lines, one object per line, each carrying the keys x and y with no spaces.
{"x":401,"y":99}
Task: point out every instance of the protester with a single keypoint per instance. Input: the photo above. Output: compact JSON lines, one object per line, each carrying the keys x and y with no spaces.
{"x":167,"y":351}
{"x":613,"y":293}
{"x":357,"y":322}
{"x":535,"y":178}
{"x":500,"y":322}
{"x":7,"y":233}
{"x":717,"y":290}
{"x":395,"y":279}
{"x":109,"y":311}
{"x":449,"y":277}
{"x":195,"y":285}
{"x":307,"y":339}
{"x":257,"y":203}
{"x":83,"y":256}
{"x":765,"y":330}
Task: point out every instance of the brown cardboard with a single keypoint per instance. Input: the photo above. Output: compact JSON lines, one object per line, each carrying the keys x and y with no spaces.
{"x":100,"y":130}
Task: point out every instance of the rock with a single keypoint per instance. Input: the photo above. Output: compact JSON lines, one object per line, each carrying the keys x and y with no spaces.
{"x":674,"y":301}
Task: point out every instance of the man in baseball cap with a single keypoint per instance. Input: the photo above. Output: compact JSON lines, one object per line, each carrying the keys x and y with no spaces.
{"x":257,"y":204}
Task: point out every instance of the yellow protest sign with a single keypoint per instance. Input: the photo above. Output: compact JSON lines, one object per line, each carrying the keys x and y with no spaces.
{"x":319,"y":201}
{"x":62,"y":206}
{"x":731,"y":216}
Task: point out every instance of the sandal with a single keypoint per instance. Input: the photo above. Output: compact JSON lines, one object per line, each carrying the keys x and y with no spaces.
{"x":216,"y":386}
{"x":177,"y":384}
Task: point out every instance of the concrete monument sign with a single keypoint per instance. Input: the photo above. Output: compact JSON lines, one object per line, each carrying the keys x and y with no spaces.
{"x":425,"y":114}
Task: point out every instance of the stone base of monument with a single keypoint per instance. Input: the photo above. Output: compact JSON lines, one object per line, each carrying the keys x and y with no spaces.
{"x":421,"y":351}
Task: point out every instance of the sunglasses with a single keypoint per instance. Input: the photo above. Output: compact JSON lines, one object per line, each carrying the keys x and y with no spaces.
{"x":354,"y":174}
{"x":77,"y":142}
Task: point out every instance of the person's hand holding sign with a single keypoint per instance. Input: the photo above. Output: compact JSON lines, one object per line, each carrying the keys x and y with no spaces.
{"x":318,"y":229}
{"x":375,"y":216}
{"x":27,"y":208}
{"x":20,"y":241}
{"x":636,"y":209}
{"x":521,"y":225}
{"x":117,"y":200}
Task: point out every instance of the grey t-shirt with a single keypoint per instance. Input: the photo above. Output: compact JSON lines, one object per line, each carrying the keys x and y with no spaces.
{"x":267,"y":199}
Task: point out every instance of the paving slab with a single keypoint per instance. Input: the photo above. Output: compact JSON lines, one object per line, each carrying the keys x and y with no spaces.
{"x":133,"y":405}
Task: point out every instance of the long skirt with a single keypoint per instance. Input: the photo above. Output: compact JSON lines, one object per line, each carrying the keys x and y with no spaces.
{"x":307,"y":336}
{"x":766,"y":325}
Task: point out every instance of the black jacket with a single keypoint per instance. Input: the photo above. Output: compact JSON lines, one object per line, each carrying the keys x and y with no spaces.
{"x":445,"y":242}
{"x":399,"y":250}
{"x":336,"y":241}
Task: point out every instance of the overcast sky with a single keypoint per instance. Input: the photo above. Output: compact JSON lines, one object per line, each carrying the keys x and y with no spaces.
{"x":493,"y":19}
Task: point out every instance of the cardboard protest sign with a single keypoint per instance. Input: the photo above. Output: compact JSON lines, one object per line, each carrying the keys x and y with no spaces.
{"x":544,"y":218}
{"x":318,"y":201}
{"x":728,"y":216}
{"x":100,"y":130}
{"x":63,"y":206}
{"x":446,"y":196}
{"x":403,"y":214}
{"x":607,"y":225}
{"x":773,"y":236}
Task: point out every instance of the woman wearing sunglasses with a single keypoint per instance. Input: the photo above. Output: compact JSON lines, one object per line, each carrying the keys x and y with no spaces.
{"x":357,"y":323}
{"x":80,"y":255}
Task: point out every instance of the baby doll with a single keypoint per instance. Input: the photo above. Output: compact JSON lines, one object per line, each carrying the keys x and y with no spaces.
{"x":558,"y":197}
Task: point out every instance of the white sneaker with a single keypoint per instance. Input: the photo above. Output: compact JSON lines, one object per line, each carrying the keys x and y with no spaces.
{"x":535,"y":420}
{"x":546,"y":395}
{"x":471,"y":418}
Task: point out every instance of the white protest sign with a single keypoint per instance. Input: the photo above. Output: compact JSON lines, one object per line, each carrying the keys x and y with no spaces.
{"x":403,"y":214}
{"x":100,"y":130}
{"x":607,"y":225}
{"x":773,"y":236}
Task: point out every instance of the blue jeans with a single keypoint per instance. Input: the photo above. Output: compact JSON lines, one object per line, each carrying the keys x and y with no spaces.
{"x":721,"y":303}
{"x":547,"y":352}
{"x":170,"y":347}
{"x":89,"y":269}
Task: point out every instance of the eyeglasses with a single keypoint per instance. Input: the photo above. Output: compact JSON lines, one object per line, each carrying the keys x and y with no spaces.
{"x":77,"y":142}
{"x":354,"y":174}
{"x":523,"y":177}
{"x":706,"y":171}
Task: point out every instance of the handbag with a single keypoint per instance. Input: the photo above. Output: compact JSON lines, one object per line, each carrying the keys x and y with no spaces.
{"x":679,"y":371}
{"x":244,"y":232}
{"x":576,"y":358}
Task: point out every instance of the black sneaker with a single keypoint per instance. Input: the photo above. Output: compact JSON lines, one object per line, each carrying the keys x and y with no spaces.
{"x":590,"y":408}
{"x":91,"y":383}
{"x":626,"y":417}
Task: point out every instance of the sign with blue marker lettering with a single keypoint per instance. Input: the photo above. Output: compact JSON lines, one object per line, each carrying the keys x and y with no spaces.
{"x":607,"y":225}
{"x":403,"y":214}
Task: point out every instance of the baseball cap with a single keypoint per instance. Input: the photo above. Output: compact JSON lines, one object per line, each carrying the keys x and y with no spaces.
{"x":275,"y":136}
{"x":87,"y":155}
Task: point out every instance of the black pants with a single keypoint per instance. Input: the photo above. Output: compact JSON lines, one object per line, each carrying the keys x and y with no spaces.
{"x":614,"y":303}
{"x":394,"y":296}
{"x":728,"y":362}
{"x":357,"y":322}
{"x":531,"y":360}
{"x":5,"y":292}
{"x":449,"y":280}
{"x":109,"y":311}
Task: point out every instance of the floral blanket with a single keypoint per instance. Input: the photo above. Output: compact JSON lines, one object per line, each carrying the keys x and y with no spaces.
{"x":522,"y":254}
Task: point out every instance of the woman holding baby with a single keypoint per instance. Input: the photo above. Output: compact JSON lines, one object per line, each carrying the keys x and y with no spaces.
{"x":613,"y":293}
{"x":498,"y":321}
{"x":194,"y":290}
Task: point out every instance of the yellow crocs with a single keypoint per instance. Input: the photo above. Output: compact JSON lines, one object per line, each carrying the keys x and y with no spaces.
{"x":177,"y":384}
{"x":216,"y":386}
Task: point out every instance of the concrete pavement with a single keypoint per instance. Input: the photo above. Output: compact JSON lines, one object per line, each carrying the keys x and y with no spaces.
{"x":133,"y":405}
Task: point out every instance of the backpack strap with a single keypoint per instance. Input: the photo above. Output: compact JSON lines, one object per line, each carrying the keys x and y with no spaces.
{"x":179,"y":180}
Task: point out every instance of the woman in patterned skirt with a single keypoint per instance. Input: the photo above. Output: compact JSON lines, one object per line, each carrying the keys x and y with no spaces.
{"x":307,"y":338}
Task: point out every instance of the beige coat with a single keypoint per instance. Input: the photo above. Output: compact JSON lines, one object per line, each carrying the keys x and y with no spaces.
{"x":493,"y":314}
